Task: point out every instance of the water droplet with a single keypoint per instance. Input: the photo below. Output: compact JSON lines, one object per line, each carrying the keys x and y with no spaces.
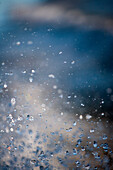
{"x":81,"y":117}
{"x":7,"y":130}
{"x":51,"y":76}
{"x":77,"y":163}
{"x":69,"y":97}
{"x":11,"y":129}
{"x":13,"y":101}
{"x":73,"y":62}
{"x":33,"y":71}
{"x":30,"y":132}
{"x":87,"y":167}
{"x":54,"y":87}
{"x":60,"y":52}
{"x":62,"y":113}
{"x":5,"y":85}
{"x":33,"y":161}
{"x":102,"y":102}
{"x":92,"y":131}
{"x":18,"y":43}
{"x":74,"y":152}
{"x":31,"y":118}
{"x":88,"y":117}
{"x":74,"y":124}
{"x":104,"y":137}
{"x":82,"y":148}
{"x":95,"y":144}
{"x":68,"y":130}
{"x":105,"y":146}
{"x":3,"y":64}
{"x":31,"y":79}
{"x":24,"y":72}
{"x":79,"y":141}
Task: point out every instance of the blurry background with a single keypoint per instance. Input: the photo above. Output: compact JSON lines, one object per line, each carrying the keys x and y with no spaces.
{"x":75,"y":39}
{"x":64,"y":48}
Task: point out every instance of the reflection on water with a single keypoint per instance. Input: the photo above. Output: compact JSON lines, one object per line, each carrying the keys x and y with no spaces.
{"x":56,"y":85}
